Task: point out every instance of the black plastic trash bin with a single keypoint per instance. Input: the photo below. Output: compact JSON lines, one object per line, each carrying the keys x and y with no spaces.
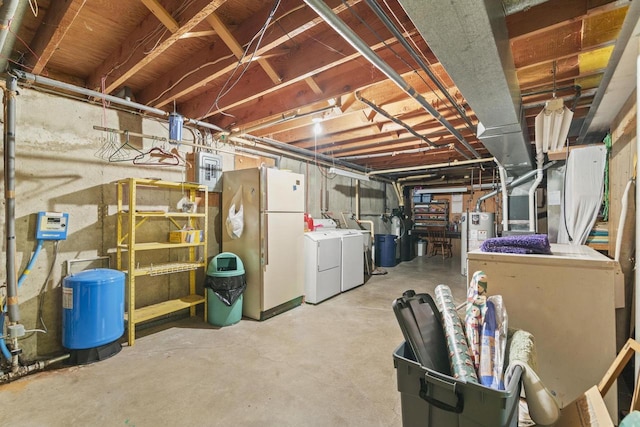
{"x":225,"y":284}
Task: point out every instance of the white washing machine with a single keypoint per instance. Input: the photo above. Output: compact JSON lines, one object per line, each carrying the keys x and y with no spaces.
{"x":352,"y":257}
{"x":321,"y":266}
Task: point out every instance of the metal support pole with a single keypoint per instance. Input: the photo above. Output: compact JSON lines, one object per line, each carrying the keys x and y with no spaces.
{"x":10,"y":197}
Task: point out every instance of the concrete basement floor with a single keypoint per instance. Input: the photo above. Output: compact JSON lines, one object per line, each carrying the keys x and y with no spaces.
{"x":324,"y":365}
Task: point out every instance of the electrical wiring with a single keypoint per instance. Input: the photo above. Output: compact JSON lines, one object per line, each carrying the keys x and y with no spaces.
{"x":41,"y":294}
{"x":159,"y":31}
{"x":34,"y":7}
{"x":24,"y":43}
{"x":207,"y":64}
{"x":227,"y":87}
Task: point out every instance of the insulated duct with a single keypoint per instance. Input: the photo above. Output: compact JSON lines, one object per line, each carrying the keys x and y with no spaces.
{"x":470,"y":39}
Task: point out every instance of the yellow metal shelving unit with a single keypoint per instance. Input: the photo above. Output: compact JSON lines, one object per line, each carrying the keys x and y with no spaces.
{"x":130,"y":219}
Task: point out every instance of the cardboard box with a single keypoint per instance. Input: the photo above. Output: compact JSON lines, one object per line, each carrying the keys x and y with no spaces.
{"x":587,"y":410}
{"x":185,"y":236}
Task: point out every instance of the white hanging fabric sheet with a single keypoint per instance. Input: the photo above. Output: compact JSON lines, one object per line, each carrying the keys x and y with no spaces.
{"x":583,"y":192}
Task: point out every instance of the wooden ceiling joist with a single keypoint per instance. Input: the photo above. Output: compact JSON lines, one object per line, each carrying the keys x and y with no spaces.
{"x":60,"y":17}
{"x":118,"y":68}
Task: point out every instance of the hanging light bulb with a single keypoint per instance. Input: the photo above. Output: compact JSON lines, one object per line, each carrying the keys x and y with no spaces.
{"x":317,"y":128}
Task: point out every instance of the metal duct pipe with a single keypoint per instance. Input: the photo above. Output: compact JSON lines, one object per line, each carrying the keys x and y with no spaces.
{"x":519,"y":180}
{"x":392,"y":153}
{"x":357,"y":200}
{"x":613,"y":89}
{"x":505,"y":197}
{"x":419,"y":60}
{"x":358,"y":44}
{"x":7,"y":14}
{"x":395,"y":120}
{"x":308,"y":154}
{"x":34,"y":367}
{"x":10,"y":197}
{"x":434,"y":166}
{"x":485,"y":74}
{"x":23,"y":75}
{"x":532,"y":191}
{"x":399,"y":122}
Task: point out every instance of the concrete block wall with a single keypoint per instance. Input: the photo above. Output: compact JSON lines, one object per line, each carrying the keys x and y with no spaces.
{"x":62,"y":164}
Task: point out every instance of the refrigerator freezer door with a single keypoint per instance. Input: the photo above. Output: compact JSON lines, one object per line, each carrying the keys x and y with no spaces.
{"x":284,"y":192}
{"x":284,"y":264}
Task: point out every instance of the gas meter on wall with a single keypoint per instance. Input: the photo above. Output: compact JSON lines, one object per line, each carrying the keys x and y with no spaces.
{"x":52,"y":226}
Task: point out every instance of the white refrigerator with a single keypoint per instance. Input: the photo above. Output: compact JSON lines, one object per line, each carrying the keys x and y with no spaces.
{"x":263,"y":224}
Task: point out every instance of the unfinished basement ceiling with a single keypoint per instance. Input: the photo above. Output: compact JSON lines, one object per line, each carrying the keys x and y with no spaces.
{"x":277,"y":70}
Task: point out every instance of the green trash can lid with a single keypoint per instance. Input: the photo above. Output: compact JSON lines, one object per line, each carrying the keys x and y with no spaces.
{"x":225,"y":264}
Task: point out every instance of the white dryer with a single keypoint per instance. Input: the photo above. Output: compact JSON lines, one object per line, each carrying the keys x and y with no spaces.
{"x":321,"y":266}
{"x":352,"y":258}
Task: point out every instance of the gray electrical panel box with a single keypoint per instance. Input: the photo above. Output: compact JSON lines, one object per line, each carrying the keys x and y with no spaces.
{"x":208,"y":168}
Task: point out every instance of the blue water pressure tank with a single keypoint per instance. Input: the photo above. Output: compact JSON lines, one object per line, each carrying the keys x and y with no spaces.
{"x":92,"y":308}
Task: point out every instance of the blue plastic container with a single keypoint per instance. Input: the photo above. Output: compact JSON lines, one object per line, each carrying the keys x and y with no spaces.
{"x":175,"y":127}
{"x":385,"y":250}
{"x":92,"y":308}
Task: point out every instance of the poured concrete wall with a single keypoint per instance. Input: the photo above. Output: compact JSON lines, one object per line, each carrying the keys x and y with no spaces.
{"x":62,"y":165}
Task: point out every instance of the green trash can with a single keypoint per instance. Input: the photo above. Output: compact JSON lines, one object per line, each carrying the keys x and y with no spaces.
{"x":225,"y":284}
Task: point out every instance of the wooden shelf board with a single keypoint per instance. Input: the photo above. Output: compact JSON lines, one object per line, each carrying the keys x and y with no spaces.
{"x":165,"y":307}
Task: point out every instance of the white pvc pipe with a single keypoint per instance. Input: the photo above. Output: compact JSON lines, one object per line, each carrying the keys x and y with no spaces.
{"x":432,"y":166}
{"x":533,"y":221}
{"x":532,"y":202}
{"x":636,"y":269}
{"x":505,"y":197}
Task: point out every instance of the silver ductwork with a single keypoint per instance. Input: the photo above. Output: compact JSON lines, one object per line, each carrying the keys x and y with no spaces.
{"x":470,"y":39}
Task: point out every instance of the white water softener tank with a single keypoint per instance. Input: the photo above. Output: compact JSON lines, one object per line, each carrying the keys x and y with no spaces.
{"x":396,"y":230}
{"x":476,"y":227}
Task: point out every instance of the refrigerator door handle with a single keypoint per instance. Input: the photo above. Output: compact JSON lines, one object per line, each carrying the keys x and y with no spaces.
{"x":264,"y":238}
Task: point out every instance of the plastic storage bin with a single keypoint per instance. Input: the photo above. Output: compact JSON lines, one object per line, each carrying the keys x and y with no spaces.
{"x":431,"y":399}
{"x":385,"y":250}
{"x":225,"y":282}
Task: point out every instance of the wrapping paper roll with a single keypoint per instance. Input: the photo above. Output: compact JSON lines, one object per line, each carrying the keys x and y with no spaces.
{"x":474,"y":318}
{"x":459,"y":354}
{"x":493,"y":342}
